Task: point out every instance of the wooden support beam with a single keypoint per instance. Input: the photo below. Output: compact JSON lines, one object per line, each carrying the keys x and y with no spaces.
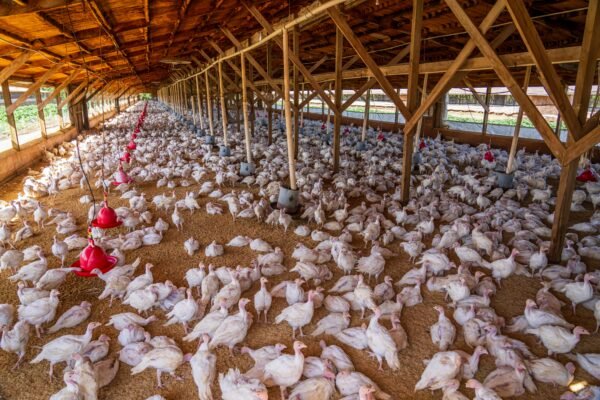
{"x":366,"y":116}
{"x":307,"y":100}
{"x":364,"y":55}
{"x":481,"y":101}
{"x":223,"y":104}
{"x":8,"y":8}
{"x":317,"y":64}
{"x":288,"y":110}
{"x":245,"y":109}
{"x":446,"y":81}
{"x":537,"y":119}
{"x":72,"y":94}
{"x":546,"y":71}
{"x":295,"y":74}
{"x":372,"y":81}
{"x":10,"y":117}
{"x":41,"y":116}
{"x":58,"y":89}
{"x":33,"y":87}
{"x":292,"y":57}
{"x":95,"y":92}
{"x":17,"y":63}
{"x":486,"y":109}
{"x":412,"y":98}
{"x":266,"y":76}
{"x":339,"y":53}
{"x":510,"y":165}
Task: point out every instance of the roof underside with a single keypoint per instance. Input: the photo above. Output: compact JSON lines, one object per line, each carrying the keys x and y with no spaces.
{"x":127,"y":39}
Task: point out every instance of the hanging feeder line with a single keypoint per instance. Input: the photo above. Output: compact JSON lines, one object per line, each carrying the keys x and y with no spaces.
{"x":94,"y":257}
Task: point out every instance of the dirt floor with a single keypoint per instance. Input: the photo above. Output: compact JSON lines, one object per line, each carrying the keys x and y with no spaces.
{"x":171,"y":262}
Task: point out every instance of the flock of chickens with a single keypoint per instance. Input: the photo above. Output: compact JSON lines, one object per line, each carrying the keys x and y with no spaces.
{"x":463,"y":235}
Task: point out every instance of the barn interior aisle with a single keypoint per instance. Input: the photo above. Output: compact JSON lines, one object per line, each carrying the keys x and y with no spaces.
{"x":307,"y":200}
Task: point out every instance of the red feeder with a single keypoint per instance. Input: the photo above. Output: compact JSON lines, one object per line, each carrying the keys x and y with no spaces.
{"x":134,"y":136}
{"x":422,"y":145}
{"x":93,"y":257}
{"x":587,"y":176}
{"x":107,"y":218}
{"x":126,"y":157}
{"x":131,"y":145}
{"x":488,"y":156}
{"x":121,"y":177}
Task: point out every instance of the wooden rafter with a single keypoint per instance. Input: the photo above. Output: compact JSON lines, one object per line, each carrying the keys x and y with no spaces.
{"x":72,"y":94}
{"x":33,"y":87}
{"x":368,"y":60}
{"x":537,"y":119}
{"x":546,"y":71}
{"x":58,"y":89}
{"x":293,"y":58}
{"x":180,"y":16}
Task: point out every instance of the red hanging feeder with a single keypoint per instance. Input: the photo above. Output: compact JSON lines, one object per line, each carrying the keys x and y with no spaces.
{"x":126,"y":157}
{"x":121,"y":177}
{"x":131,"y":145}
{"x":107,"y":217}
{"x":422,"y":144}
{"x":587,"y":176}
{"x":93,"y":257}
{"x":488,"y":156}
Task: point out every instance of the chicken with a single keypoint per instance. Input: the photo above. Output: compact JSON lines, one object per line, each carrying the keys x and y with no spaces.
{"x":262,"y":357}
{"x":503,"y":268}
{"x":235,"y":386}
{"x":590,"y":362}
{"x":183,"y":312}
{"x":105,"y":371}
{"x":381,"y":343}
{"x":579,"y":292}
{"x":140,"y":282}
{"x":40,"y":311}
{"x":162,"y":359}
{"x":262,"y":299}
{"x":332,"y":324}
{"x":233,"y":329}
{"x":547,"y":370}
{"x":536,"y":317}
{"x":443,"y":331}
{"x":443,"y":367}
{"x":337,"y":356}
{"x":122,"y":320}
{"x":6,"y":315}
{"x":298,"y":315}
{"x":208,"y":325}
{"x":131,"y":334}
{"x":556,"y":339}
{"x":349,"y":383}
{"x":363,"y":295}
{"x":191,"y":246}
{"x":318,"y":388}
{"x":482,"y":392}
{"x":508,"y":381}
{"x":203,"y":364}
{"x":285,"y":370}
{"x":15,"y":340}
{"x":354,"y":337}
{"x":72,"y":317}
{"x":60,"y":250}
{"x":61,"y":348}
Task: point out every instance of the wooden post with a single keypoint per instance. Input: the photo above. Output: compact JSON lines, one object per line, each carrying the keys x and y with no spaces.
{"x":366,"y":116}
{"x":396,"y":113}
{"x":209,"y":105}
{"x":339,"y":53}
{"x":61,"y":121}
{"x":288,"y":111}
{"x":10,"y":117}
{"x":328,"y":112}
{"x":510,"y":165}
{"x":41,"y":117}
{"x":296,"y":50}
{"x":486,"y":111}
{"x":193,"y":109}
{"x":420,"y":124}
{"x":252,"y":110}
{"x":270,"y":122}
{"x":199,"y":99}
{"x":223,"y":104}
{"x":413,"y":83}
{"x":581,"y":100}
{"x":245,"y":109}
